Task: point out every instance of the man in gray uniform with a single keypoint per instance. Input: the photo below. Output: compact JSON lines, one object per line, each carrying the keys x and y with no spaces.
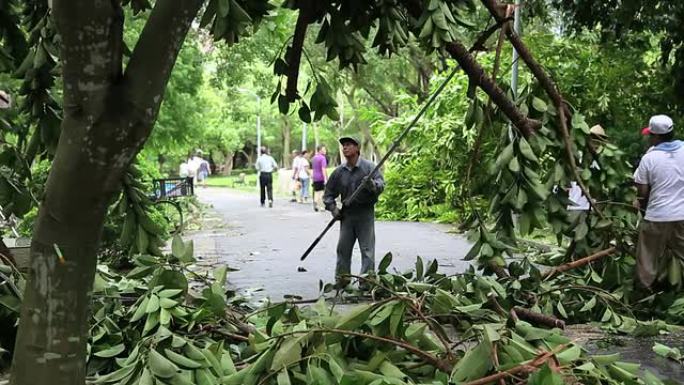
{"x":357,"y":218}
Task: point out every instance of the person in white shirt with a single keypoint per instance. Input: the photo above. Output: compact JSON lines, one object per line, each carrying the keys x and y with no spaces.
{"x":266,"y":166}
{"x":660,"y":193}
{"x":575,"y":193}
{"x":183,"y":170}
{"x":296,"y":184}
{"x":304,"y":174}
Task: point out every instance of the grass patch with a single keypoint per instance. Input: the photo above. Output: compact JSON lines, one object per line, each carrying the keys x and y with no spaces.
{"x":248,"y":184}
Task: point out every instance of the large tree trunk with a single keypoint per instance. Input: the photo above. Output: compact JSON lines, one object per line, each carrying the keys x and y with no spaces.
{"x":53,"y":328}
{"x":228,"y":163}
{"x":108,"y":115}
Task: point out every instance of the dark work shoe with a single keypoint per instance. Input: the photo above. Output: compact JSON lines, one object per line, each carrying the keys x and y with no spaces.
{"x":262,"y":205}
{"x":270,"y":203}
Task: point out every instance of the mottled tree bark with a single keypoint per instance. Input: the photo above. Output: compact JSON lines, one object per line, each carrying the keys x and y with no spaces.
{"x":108,"y":115}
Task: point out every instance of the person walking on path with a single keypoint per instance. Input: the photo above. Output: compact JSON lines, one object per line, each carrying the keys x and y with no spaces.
{"x":203,"y":172}
{"x":660,"y":192}
{"x":296,"y":185}
{"x":303,"y":175}
{"x":319,"y":175}
{"x":266,"y":166}
{"x":357,"y":221}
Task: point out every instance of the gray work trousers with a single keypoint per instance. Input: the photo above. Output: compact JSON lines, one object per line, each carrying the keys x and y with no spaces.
{"x":356,"y":224}
{"x":655,"y":239}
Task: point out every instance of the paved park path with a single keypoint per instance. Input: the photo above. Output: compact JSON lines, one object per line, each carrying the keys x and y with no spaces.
{"x":265,"y":244}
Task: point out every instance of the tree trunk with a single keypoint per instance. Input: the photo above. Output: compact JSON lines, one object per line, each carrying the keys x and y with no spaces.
{"x":108,"y":115}
{"x":228,"y":163}
{"x":53,"y":330}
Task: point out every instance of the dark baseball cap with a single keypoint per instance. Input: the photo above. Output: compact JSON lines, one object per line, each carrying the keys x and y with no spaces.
{"x":347,"y":139}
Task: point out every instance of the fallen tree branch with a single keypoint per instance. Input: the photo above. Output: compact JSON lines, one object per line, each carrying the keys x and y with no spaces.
{"x":443,"y":365}
{"x":551,"y":90}
{"x":523,"y":368}
{"x":538,"y":318}
{"x":580,"y":262}
{"x":480,"y":132}
{"x":479,"y":78}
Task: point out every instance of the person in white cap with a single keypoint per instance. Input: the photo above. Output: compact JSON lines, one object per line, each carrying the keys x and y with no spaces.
{"x":660,"y":193}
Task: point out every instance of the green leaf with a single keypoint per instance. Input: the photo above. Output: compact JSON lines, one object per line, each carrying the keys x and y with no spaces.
{"x":280,"y":68}
{"x":427,"y":29}
{"x":514,"y":165}
{"x":491,"y":334}
{"x":539,"y":104}
{"x":475,"y":364}
{"x":385,"y":263}
{"x":526,"y":150}
{"x":142,"y":240}
{"x":146,"y":378}
{"x":220,"y":275}
{"x":545,"y":376}
{"x":177,"y":246}
{"x":304,"y":113}
{"x":181,"y":360}
{"x":606,"y":359}
{"x":356,"y":317}
{"x":561,"y":309}
{"x":382,"y":313}
{"x":419,"y":268}
{"x":160,"y":365}
{"x":169,"y":293}
{"x":589,"y":305}
{"x":505,"y":156}
{"x":569,"y":355}
{"x":581,"y":231}
{"x":283,"y":104}
{"x":224,"y":7}
{"x":111,"y":351}
{"x":152,"y":304}
{"x":651,"y":379}
{"x":283,"y":377}
{"x":140,"y":310}
{"x":667,"y":352}
{"x":164,"y":317}
{"x":117,"y":375}
{"x":607,"y":315}
{"x":290,"y":351}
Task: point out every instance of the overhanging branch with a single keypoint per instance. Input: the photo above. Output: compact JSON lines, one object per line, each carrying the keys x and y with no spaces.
{"x":294,"y":56}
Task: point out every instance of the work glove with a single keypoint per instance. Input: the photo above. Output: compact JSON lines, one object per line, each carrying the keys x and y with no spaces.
{"x":369,"y":184}
{"x":336,"y":213}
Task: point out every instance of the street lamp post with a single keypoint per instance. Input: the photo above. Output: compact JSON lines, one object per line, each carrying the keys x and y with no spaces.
{"x":304,"y":136}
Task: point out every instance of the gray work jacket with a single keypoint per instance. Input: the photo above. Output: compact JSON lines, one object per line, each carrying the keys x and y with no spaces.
{"x":344,"y":180}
